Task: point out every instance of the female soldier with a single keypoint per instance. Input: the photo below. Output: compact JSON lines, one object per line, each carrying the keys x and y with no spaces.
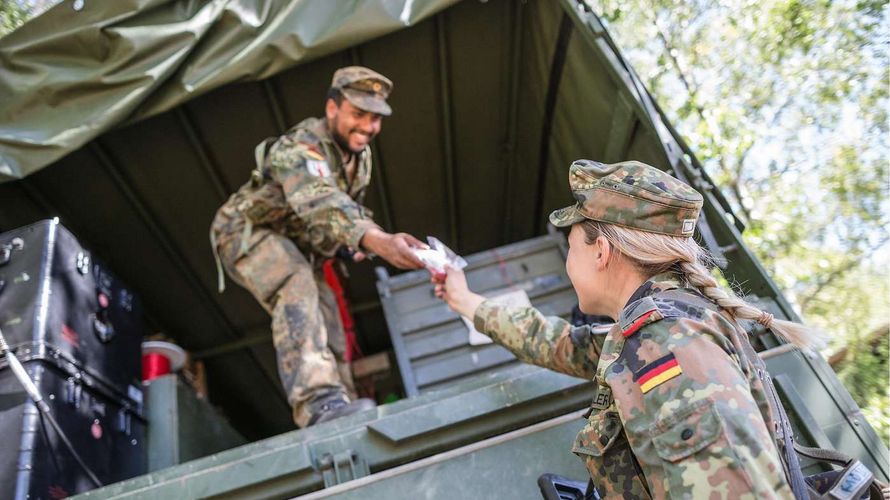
{"x":680,"y":411}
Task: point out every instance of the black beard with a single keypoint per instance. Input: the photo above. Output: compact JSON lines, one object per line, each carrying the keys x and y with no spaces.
{"x":341,"y":141}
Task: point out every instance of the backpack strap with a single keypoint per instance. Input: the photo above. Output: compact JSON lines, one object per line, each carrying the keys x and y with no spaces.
{"x":257,"y":175}
{"x":782,"y":426}
{"x":824,"y":455}
{"x":851,"y":482}
{"x":256,"y":178}
{"x":220,"y":275}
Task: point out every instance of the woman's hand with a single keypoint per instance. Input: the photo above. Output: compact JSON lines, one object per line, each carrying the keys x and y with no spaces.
{"x":452,"y":288}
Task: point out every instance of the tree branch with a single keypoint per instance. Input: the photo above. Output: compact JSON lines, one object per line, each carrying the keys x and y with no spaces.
{"x":871,"y":339}
{"x":737,"y":192}
{"x":840,"y":271}
{"x":692,"y":87}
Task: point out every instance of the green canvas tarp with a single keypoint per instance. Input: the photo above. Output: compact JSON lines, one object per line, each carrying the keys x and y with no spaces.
{"x":85,"y":66}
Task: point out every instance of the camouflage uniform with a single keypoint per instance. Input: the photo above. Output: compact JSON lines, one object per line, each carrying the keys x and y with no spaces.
{"x":272,"y":236}
{"x":678,"y":412}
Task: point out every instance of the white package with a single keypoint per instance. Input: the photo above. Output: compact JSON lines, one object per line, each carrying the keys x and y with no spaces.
{"x":438,"y":256}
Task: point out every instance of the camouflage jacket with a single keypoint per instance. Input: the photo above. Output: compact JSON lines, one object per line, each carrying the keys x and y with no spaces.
{"x":301,"y":189}
{"x":678,"y":414}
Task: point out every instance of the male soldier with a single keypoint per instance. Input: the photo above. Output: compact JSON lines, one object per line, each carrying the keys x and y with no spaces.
{"x":302,"y":205}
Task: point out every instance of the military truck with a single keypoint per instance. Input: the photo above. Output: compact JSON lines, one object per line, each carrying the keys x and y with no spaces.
{"x":133,"y":123}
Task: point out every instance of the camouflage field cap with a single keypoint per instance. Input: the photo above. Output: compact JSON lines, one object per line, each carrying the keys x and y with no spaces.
{"x":630,"y":194}
{"x":364,"y":88}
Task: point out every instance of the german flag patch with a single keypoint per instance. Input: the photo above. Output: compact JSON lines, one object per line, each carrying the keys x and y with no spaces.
{"x":315,"y":155}
{"x":657,"y":373}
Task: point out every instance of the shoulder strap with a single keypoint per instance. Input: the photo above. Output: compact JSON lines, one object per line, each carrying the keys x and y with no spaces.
{"x":782,"y":425}
{"x":784,"y":432}
{"x":262,"y":149}
{"x":852,"y":471}
{"x":259,"y":173}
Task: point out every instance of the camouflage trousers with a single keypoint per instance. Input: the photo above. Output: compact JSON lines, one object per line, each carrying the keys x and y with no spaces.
{"x":306,"y":328}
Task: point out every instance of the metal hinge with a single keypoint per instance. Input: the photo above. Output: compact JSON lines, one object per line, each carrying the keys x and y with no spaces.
{"x":340,"y":467}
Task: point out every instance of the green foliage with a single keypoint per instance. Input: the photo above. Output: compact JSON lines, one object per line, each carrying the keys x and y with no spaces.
{"x":12,"y":15}
{"x":865,"y":375}
{"x":785,"y":102}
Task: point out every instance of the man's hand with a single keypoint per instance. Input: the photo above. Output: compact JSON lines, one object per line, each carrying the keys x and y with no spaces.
{"x":394,"y":248}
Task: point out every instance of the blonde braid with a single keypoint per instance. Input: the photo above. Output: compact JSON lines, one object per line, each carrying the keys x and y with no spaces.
{"x":655,"y":253}
{"x":699,"y":277}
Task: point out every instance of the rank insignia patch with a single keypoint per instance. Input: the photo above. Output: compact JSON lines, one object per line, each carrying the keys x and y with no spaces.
{"x":636,"y":325}
{"x":657,"y":373}
{"x":318,"y":168}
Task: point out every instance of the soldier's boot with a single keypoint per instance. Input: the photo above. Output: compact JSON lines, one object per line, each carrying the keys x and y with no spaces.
{"x":334,"y":407}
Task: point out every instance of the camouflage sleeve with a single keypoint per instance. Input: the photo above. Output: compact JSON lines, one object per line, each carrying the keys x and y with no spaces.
{"x":331,"y":216}
{"x":547,"y":341}
{"x":709,"y":433}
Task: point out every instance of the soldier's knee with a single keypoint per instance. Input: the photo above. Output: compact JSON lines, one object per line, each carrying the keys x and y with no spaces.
{"x":299,"y":286}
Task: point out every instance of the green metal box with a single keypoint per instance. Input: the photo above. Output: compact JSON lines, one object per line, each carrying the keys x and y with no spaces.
{"x":183,"y":426}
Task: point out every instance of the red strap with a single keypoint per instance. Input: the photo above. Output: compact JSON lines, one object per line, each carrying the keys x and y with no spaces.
{"x":637,"y":324}
{"x":333,"y":280}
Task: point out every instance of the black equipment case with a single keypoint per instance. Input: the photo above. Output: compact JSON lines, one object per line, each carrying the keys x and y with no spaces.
{"x":78,"y":332}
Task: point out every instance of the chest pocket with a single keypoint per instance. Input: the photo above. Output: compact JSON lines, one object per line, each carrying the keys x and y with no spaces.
{"x":687,"y":432}
{"x":608,"y":457}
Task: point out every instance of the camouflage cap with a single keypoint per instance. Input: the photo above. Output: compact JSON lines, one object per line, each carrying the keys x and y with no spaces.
{"x":630,"y":194}
{"x":364,"y":88}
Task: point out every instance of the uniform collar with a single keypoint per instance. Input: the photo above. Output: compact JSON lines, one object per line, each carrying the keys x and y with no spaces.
{"x":641,"y":303}
{"x":639,"y":293}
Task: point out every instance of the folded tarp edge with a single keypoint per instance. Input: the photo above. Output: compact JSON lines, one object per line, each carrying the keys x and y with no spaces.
{"x":70,"y":75}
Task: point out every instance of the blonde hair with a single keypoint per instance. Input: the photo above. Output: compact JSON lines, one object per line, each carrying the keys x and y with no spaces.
{"x":653,"y":254}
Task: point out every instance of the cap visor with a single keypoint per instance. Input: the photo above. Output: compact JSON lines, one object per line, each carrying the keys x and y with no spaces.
{"x":367,"y":102}
{"x":567,"y":216}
